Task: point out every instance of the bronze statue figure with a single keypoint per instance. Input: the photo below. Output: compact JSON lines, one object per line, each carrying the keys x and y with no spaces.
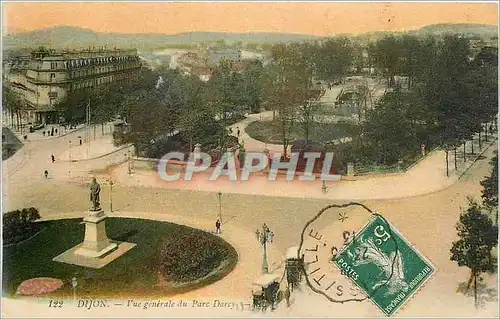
{"x":95,"y":189}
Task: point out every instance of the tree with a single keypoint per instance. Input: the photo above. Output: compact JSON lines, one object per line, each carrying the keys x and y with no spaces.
{"x":388,"y":130}
{"x":477,"y":237}
{"x":12,"y":102}
{"x":148,"y":117}
{"x":253,"y":85}
{"x":449,"y":97}
{"x":305,"y":116}
{"x":387,"y":54}
{"x":225,"y":90}
{"x":73,"y":107}
{"x":334,"y":59}
{"x":287,"y":82}
{"x":490,"y":188}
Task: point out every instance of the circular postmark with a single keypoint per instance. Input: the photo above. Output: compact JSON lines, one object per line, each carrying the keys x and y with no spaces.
{"x":322,"y":238}
{"x":351,"y":253}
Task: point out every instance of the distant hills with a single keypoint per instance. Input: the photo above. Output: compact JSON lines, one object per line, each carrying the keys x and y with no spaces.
{"x":70,"y":37}
{"x":480,"y":30}
{"x":75,"y":37}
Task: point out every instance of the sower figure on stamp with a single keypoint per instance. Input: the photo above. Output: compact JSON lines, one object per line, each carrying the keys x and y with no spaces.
{"x":95,"y":189}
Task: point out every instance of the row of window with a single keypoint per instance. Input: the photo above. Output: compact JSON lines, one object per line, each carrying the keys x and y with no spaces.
{"x":99,"y":81}
{"x":97,"y":70}
{"x":99,"y":61}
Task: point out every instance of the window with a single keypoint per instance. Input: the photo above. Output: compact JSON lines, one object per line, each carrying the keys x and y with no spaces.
{"x":53,"y":65}
{"x":52,"y":76}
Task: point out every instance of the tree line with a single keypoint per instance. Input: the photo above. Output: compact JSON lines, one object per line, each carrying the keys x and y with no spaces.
{"x":449,"y":94}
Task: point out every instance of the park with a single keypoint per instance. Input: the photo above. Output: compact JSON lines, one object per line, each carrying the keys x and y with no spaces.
{"x":230,"y":193}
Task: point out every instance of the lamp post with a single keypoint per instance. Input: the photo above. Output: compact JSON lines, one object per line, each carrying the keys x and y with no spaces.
{"x":264,"y":236}
{"x":219,"y":194}
{"x":69,"y":163}
{"x":74,"y":283}
{"x":110,"y":195}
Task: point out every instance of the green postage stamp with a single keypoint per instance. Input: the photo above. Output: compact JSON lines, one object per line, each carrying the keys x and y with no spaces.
{"x":382,"y":263}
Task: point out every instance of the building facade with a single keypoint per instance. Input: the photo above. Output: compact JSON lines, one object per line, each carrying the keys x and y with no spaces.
{"x":47,"y":77}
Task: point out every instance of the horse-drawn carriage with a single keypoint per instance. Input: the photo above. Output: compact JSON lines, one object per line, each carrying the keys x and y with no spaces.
{"x":265,"y":291}
{"x":294,"y":265}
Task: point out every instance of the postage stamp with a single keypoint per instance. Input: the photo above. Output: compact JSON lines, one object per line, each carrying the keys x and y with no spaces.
{"x":384,"y":265}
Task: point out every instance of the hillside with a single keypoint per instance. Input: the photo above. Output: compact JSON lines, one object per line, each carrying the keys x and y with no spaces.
{"x":70,"y":37}
{"x":74,"y":37}
{"x":481,"y":30}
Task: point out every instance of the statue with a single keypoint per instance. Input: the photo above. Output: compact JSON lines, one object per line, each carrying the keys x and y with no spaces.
{"x":95,"y":189}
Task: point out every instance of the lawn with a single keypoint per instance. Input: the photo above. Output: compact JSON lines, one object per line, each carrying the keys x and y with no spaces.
{"x":136,"y":273}
{"x":269,"y":132}
{"x":344,"y":109}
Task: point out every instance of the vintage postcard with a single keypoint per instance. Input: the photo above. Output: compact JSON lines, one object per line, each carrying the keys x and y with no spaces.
{"x":249,"y":159}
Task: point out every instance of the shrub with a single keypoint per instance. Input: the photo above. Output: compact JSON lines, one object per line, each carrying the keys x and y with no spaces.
{"x":19,"y":225}
{"x":192,"y":255}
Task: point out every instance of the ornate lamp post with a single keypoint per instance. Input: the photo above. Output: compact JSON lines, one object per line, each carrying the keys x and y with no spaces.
{"x":219,"y":194}
{"x":264,"y":236}
{"x":74,"y":283}
{"x":69,"y":162}
{"x":110,"y":195}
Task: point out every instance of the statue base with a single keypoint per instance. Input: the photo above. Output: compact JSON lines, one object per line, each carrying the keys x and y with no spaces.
{"x":96,"y":242}
{"x":97,"y":250}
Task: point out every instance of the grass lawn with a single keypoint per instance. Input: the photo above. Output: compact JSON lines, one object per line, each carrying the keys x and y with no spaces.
{"x":269,"y":132}
{"x":339,"y":110}
{"x":136,"y":273}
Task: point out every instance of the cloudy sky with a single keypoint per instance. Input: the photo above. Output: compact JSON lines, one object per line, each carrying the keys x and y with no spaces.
{"x":308,"y":18}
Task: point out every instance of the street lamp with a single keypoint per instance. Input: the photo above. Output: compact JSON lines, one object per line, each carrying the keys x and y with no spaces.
{"x":74,"y":283}
{"x":69,"y":163}
{"x":110,"y":195}
{"x":219,"y":194}
{"x":264,"y":236}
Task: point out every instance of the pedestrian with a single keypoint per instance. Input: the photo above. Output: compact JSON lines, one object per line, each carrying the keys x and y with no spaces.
{"x":324,"y":188}
{"x":287,"y":296}
{"x":80,"y":141}
{"x":46,"y":173}
{"x":56,"y":131}
{"x":422,"y":149}
{"x":217,"y":226}
{"x":53,"y":158}
{"x":238,"y":132}
{"x":52,"y":132}
{"x":491,"y":129}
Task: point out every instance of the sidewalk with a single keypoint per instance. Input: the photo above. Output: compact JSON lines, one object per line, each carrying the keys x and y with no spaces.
{"x":61,"y":131}
{"x":97,"y":148}
{"x":38,"y":134}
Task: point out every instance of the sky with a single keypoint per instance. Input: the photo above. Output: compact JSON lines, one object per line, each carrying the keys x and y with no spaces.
{"x":318,"y":18}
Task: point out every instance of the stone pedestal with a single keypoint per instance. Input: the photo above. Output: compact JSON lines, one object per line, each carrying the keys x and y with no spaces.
{"x":96,"y":242}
